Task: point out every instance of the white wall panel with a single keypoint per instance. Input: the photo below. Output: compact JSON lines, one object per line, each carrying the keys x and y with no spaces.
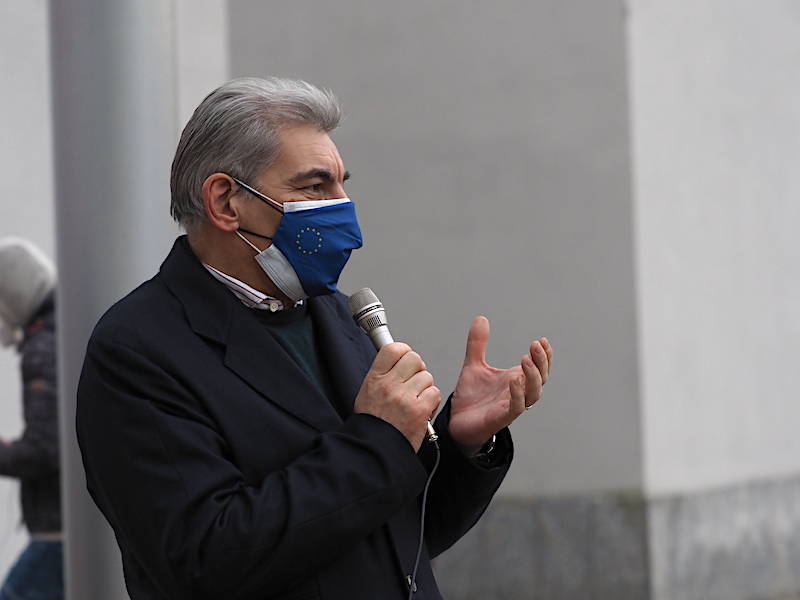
{"x":716,"y":131}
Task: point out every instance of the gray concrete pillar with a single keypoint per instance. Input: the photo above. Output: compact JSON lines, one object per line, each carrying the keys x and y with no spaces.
{"x":115,"y":127}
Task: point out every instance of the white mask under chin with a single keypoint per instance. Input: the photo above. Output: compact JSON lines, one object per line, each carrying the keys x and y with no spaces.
{"x":9,"y":335}
{"x":279,"y":270}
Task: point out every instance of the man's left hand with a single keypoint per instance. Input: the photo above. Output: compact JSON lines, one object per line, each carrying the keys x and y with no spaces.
{"x":487,"y":399}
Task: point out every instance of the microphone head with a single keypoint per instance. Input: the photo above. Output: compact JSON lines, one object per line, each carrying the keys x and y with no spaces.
{"x":362,"y":298}
{"x":367,"y":310}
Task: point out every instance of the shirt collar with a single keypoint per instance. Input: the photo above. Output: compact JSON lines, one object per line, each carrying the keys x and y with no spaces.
{"x":248,"y":296}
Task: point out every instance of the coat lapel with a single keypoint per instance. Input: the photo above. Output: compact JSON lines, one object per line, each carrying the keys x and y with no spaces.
{"x":346,"y":350}
{"x":254,"y":355}
{"x":250,"y":351}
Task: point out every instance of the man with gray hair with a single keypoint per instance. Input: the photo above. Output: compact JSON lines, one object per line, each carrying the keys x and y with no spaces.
{"x":238,"y":430}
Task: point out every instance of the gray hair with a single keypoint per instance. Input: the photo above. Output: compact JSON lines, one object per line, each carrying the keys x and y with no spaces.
{"x":235,"y":130}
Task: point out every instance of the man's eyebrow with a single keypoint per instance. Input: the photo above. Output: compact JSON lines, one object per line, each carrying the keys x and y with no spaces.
{"x":323,"y":174}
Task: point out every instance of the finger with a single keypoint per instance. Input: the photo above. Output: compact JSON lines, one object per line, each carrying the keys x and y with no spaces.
{"x":388,"y":356}
{"x":477,"y":339}
{"x":517,"y":388}
{"x":409,"y":365}
{"x":549,"y":350}
{"x":420,"y":381}
{"x":431,"y":398}
{"x":533,"y":381}
{"x":540,"y":360}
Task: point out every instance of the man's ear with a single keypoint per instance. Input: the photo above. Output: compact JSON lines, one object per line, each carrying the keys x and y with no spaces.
{"x":219,"y":192}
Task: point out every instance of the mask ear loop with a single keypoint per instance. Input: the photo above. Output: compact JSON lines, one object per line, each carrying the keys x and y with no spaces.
{"x":248,"y":242}
{"x":266,"y":199}
{"x":258,"y":235}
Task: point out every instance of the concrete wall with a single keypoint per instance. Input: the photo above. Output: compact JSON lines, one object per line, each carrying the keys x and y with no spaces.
{"x":488,"y":144}
{"x":26,"y":209}
{"x":490,"y":149}
{"x":716,"y":138}
{"x":201,"y":51}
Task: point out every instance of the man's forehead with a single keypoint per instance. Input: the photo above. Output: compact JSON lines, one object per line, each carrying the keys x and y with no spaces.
{"x":306,"y":149}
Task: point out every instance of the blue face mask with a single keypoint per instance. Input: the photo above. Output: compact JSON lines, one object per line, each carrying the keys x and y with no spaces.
{"x":311,"y":246}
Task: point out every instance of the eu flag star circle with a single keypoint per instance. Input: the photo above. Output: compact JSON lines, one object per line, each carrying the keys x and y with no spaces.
{"x":309,"y":240}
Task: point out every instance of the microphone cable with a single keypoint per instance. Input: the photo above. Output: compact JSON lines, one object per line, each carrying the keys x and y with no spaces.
{"x":412,"y":579}
{"x":369,"y":314}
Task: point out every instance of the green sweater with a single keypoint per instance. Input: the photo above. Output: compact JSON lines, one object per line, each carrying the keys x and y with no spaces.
{"x":293,"y":329}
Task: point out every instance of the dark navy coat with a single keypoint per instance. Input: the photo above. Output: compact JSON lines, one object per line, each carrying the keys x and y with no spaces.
{"x":226,"y":474}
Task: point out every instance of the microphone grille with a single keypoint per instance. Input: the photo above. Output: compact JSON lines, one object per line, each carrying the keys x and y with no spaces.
{"x":373,"y":321}
{"x":360,"y":299}
{"x":367,"y":310}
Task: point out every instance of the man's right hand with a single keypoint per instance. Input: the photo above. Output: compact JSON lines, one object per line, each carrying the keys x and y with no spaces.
{"x":399,"y":389}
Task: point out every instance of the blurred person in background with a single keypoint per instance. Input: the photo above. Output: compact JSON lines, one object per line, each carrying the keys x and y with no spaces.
{"x":27,"y":324}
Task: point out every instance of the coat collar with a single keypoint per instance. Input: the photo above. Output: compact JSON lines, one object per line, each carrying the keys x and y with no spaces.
{"x":213,"y":312}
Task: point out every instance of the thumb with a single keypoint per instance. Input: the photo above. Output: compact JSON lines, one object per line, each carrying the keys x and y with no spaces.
{"x":477,"y":339}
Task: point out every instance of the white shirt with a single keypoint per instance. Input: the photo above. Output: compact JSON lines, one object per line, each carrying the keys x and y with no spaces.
{"x":249,"y":296}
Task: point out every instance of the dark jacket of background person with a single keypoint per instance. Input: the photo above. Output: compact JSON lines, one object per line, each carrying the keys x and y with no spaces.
{"x":33,"y":458}
{"x":225,"y":473}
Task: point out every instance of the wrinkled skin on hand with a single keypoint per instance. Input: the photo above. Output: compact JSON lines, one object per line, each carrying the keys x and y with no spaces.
{"x":487,"y":399}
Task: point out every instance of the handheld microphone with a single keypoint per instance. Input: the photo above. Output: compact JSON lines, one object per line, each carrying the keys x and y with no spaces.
{"x":370,"y":315}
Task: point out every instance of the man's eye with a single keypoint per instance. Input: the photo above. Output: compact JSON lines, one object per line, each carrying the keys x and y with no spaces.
{"x":317,"y":187}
